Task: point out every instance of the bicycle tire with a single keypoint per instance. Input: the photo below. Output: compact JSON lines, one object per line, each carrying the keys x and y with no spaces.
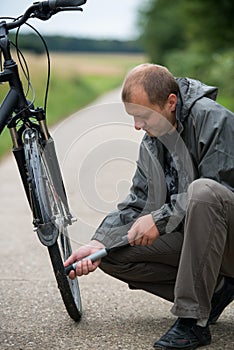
{"x":47,"y":208}
{"x":68,"y":289}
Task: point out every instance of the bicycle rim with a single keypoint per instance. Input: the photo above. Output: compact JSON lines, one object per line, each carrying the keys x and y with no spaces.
{"x":47,"y":206}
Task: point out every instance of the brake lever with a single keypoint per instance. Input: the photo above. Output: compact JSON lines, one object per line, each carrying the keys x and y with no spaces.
{"x":42,"y":15}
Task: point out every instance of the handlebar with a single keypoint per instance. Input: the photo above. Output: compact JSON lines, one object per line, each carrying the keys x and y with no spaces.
{"x":65,"y":3}
{"x":45,"y":9}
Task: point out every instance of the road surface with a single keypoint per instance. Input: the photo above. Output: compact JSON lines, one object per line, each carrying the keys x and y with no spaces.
{"x":95,"y":149}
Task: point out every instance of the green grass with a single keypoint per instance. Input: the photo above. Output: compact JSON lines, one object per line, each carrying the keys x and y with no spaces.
{"x":76,"y":80}
{"x":80,"y":91}
{"x":226,"y":101}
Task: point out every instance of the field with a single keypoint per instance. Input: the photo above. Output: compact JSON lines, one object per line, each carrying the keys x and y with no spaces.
{"x":76,"y":80}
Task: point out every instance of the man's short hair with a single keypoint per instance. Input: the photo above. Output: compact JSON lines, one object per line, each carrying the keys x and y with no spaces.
{"x":156,"y":80}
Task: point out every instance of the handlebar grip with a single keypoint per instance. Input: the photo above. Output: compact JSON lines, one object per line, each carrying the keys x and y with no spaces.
{"x":93,"y":257}
{"x":53,"y":4}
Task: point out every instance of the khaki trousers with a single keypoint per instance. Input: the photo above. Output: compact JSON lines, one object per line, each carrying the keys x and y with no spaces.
{"x":184,"y":267}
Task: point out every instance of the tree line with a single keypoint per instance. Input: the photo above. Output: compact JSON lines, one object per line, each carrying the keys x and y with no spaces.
{"x":32,"y":43}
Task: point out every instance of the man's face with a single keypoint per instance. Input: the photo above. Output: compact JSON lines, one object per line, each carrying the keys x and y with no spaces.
{"x":152,"y":118}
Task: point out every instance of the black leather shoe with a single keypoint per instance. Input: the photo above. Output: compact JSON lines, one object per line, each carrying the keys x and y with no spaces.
{"x":220,"y":300}
{"x":184,"y":335}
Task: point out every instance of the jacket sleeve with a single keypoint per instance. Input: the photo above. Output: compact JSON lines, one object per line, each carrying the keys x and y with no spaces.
{"x":113,"y":229}
{"x":171,"y":215}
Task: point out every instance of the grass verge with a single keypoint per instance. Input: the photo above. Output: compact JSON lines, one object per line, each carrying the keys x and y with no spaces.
{"x":76,"y":80}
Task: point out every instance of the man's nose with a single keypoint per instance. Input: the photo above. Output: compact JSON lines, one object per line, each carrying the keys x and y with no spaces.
{"x":138,"y":124}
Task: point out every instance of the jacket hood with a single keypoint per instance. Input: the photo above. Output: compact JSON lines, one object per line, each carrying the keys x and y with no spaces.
{"x":192,"y":90}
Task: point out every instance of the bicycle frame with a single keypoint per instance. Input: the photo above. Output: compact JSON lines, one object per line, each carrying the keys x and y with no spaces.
{"x":15,"y":102}
{"x":15,"y":98}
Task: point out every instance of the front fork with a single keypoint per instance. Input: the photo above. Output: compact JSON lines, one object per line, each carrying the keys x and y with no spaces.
{"x":18,"y":151}
{"x":54,"y":168}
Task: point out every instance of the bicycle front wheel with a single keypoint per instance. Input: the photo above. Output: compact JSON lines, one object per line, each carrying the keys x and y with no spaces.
{"x":50,"y":215}
{"x":69,"y":289}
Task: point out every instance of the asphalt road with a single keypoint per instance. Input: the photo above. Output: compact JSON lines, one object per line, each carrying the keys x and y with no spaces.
{"x":32,"y":315}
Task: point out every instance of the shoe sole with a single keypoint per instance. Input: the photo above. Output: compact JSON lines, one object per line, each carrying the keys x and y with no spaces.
{"x":159,"y":347}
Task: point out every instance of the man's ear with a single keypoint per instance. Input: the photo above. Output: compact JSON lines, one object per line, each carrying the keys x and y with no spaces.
{"x":172,"y":100}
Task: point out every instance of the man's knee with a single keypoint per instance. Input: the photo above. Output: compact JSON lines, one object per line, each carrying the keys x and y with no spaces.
{"x":113,"y":267}
{"x":206,"y":190}
{"x":122,"y":271}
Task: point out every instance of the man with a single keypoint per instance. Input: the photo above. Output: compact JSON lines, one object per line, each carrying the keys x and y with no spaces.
{"x":178,"y":216}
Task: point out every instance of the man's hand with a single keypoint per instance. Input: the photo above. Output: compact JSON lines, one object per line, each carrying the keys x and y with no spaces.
{"x":84,"y":267}
{"x":143,"y":231}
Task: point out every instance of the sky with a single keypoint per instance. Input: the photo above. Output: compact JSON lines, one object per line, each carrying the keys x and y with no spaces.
{"x":101,"y":19}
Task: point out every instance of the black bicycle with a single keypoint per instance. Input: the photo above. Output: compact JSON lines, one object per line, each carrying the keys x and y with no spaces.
{"x":34,"y":151}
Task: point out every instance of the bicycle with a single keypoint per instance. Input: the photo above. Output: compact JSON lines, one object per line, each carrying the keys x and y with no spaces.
{"x":35,"y":154}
